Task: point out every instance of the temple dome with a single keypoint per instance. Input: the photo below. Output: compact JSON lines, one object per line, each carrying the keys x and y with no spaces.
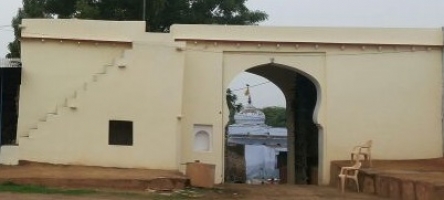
{"x":250,"y":115}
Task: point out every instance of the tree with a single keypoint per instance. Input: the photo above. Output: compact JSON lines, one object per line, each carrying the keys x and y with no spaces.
{"x":14,"y":46}
{"x":160,"y":14}
{"x":275,"y":116}
{"x":34,"y":8}
{"x":61,"y":9}
{"x":31,"y":9}
{"x":203,"y":12}
{"x":234,"y":154}
{"x":86,"y":10}
{"x":233,"y":106}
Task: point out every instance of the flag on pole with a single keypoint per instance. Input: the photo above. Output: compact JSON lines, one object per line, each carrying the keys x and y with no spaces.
{"x":247,"y":93}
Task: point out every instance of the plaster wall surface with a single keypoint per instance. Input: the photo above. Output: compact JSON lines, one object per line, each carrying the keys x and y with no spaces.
{"x":147,"y":91}
{"x":379,"y":84}
{"x":390,"y":98}
{"x":327,"y":35}
{"x":203,"y":96}
{"x":52,"y":71}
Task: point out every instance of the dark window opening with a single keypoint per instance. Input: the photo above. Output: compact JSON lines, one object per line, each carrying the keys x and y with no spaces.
{"x":120,"y":133}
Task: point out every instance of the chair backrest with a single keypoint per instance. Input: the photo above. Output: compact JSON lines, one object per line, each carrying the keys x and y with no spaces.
{"x":368,"y":144}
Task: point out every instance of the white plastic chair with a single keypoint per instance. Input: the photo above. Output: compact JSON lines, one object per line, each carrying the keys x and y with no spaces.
{"x":349,"y":173}
{"x":362,"y":150}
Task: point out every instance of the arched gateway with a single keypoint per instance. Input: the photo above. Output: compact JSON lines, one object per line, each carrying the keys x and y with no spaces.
{"x":302,"y":93}
{"x":140,"y":99}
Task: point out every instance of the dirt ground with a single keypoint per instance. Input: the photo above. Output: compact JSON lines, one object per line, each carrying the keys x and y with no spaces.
{"x":241,"y":192}
{"x":71,"y":176}
{"x":41,"y":170}
{"x":424,"y":169}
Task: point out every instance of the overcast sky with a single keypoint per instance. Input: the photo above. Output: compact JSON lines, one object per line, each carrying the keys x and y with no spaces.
{"x":337,"y":13}
{"x":363,"y":13}
{"x":8,"y":9}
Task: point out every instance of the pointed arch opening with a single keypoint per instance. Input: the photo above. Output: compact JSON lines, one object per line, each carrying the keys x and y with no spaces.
{"x":300,"y":162}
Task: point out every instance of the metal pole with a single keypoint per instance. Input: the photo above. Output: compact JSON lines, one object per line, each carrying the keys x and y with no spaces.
{"x":442,"y":93}
{"x":144,"y":10}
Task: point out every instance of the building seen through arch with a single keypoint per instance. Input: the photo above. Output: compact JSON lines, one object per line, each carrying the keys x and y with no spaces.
{"x":260,"y":148}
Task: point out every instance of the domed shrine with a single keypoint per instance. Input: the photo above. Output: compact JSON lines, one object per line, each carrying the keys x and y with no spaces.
{"x":263,"y":144}
{"x":250,"y":115}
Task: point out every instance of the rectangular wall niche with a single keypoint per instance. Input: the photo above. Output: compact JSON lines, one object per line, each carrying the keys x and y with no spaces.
{"x":120,"y":133}
{"x":202,"y":137}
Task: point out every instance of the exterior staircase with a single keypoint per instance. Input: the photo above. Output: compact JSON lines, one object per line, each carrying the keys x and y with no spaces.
{"x":69,"y":103}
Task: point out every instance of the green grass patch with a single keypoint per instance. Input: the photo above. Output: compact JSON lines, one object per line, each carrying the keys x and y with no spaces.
{"x":34,"y":189}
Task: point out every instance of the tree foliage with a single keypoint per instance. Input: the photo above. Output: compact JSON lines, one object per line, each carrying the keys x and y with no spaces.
{"x":34,"y":8}
{"x":160,"y":14}
{"x":275,"y":116}
{"x":232,"y":104}
{"x":14,"y":46}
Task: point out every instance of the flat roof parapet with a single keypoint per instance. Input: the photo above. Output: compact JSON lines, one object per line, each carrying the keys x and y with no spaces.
{"x":320,"y":35}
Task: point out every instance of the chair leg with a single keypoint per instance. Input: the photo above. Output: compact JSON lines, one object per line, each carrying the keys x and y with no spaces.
{"x":339,"y":183}
{"x":342,"y":184}
{"x":370,"y":160}
{"x":357,"y":184}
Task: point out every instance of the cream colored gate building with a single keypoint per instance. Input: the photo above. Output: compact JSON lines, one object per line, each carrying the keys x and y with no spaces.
{"x":379,"y":84}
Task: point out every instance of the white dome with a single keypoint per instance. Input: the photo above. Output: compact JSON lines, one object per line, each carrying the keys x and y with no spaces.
{"x":250,"y":115}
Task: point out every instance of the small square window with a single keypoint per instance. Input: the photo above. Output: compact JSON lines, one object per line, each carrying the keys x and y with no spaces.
{"x":120,"y":133}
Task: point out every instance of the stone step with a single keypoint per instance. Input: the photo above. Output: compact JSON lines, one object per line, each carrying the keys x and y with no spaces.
{"x":70,"y":176}
{"x":404,"y":181}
